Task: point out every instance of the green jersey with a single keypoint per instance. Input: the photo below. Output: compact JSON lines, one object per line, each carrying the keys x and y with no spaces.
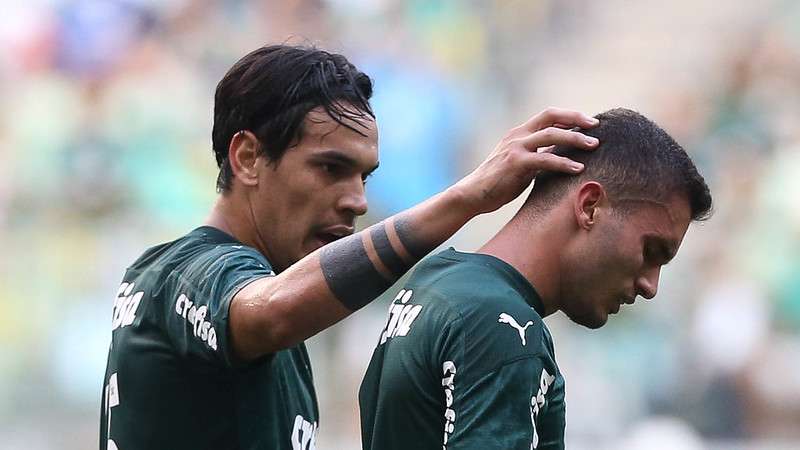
{"x":464,"y":362}
{"x":172,"y":381}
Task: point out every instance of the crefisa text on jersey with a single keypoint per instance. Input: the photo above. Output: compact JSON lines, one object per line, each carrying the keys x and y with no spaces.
{"x":125,"y":306}
{"x":196,"y":316}
{"x":448,"y":382}
{"x":537,"y":402}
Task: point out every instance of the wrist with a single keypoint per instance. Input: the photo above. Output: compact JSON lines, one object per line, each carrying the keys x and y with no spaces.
{"x":457,"y":198}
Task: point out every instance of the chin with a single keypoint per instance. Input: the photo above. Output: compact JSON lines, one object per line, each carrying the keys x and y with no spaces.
{"x":592,"y":320}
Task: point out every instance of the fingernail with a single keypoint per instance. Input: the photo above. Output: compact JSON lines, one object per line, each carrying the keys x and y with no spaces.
{"x":576,"y":166}
{"x":593,"y":120}
{"x":591,"y":140}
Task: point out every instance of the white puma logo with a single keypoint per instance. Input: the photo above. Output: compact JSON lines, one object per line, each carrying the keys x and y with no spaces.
{"x":506,"y":318}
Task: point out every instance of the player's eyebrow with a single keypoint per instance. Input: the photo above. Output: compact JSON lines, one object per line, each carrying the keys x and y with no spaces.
{"x":342,"y":158}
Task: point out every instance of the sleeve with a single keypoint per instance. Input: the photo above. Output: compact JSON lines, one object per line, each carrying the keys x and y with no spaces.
{"x":197,"y":315}
{"x":499,"y":397}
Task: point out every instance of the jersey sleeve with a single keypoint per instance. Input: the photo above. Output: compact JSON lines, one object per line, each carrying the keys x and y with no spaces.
{"x":196,"y":316}
{"x":499,"y":394}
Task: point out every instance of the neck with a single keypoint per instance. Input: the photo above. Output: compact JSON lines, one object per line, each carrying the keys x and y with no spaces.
{"x":525,"y":245}
{"x":235,"y":218}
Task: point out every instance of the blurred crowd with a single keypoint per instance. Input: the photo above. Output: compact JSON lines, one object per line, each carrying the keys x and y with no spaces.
{"x":105,"y":149}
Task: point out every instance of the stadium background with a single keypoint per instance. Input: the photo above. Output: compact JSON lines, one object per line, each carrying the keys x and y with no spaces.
{"x":105,"y":150}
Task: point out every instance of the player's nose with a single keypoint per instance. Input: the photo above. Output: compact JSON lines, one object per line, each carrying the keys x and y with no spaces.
{"x":355,"y":200}
{"x":647,"y":283}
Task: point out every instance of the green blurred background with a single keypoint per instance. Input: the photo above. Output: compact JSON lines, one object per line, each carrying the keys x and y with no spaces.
{"x":105,"y":149}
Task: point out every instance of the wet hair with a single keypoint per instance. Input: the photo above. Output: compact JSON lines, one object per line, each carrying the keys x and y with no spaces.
{"x":636,"y":159}
{"x":269,"y":92}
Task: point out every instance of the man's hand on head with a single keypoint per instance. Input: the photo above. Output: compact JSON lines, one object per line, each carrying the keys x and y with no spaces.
{"x":522,"y":154}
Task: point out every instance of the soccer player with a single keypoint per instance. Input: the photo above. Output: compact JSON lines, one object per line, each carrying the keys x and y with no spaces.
{"x":465,"y":361}
{"x":207,"y":344}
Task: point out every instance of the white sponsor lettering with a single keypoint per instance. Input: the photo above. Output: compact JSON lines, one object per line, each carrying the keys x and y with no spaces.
{"x":112,"y":400}
{"x":506,"y":318}
{"x":196,"y":317}
{"x":448,"y":382}
{"x":401,"y":316}
{"x":304,"y":434}
{"x":537,"y":402}
{"x":125,"y":306}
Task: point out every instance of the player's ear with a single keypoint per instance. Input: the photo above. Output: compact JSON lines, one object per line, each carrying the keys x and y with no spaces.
{"x":586,"y":204}
{"x":243,"y":153}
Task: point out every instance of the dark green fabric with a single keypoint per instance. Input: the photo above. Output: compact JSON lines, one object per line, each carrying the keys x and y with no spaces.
{"x":448,"y":372}
{"x":171,"y":380}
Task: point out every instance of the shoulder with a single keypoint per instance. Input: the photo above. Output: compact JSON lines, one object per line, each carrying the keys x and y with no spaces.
{"x":473,"y":286}
{"x":201,"y":249}
{"x":205,"y":260}
{"x":457,"y":279}
{"x":484,"y":305}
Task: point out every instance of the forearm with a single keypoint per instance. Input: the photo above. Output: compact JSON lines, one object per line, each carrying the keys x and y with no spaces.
{"x":326,"y":286}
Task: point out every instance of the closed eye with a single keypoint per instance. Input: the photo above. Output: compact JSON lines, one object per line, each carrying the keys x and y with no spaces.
{"x":657,"y":251}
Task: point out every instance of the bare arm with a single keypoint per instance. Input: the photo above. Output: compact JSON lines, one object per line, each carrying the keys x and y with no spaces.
{"x":329,"y":284}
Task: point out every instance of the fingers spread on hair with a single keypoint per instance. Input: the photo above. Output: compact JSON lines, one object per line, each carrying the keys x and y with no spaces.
{"x":557,"y":136}
{"x":551,"y":162}
{"x":563,"y":117}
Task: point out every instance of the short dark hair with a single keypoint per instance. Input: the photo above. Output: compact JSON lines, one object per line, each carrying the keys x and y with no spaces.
{"x":635,"y":159}
{"x":269,"y":92}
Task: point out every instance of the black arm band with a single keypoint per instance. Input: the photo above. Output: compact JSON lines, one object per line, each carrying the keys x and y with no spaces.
{"x":350,"y":274}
